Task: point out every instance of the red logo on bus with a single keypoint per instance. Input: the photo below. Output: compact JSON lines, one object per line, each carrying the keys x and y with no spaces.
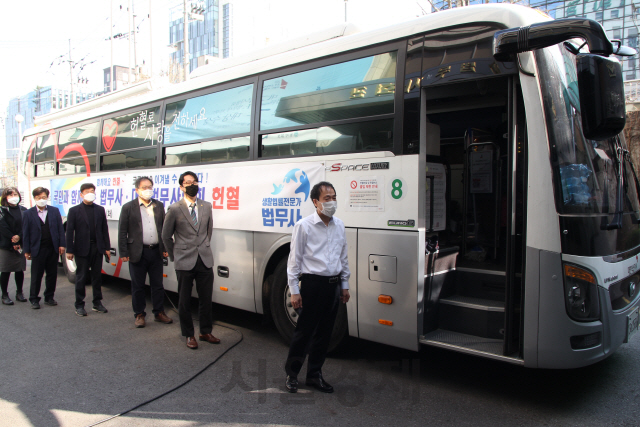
{"x":354,"y":184}
{"x":109,"y":134}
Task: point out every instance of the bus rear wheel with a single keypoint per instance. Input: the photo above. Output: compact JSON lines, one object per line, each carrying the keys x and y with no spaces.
{"x":285,"y":317}
{"x":69,"y":268}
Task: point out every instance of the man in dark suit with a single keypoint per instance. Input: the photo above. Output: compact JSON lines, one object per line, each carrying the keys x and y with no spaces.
{"x":44,"y":242}
{"x":187,"y":237}
{"x":88,"y":240}
{"x":140,"y":244}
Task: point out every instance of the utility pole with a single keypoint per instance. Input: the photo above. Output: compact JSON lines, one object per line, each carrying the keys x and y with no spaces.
{"x":129,"y":19}
{"x":345,"y":10}
{"x":111,"y":71}
{"x":150,"y":44}
{"x":135,"y":45}
{"x":186,"y":41}
{"x":70,"y":75}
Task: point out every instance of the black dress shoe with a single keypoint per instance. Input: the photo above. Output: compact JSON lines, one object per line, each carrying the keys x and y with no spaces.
{"x":291,"y":384}
{"x":319,"y":384}
{"x":20,"y":297}
{"x":35,"y":305}
{"x":6,"y":300}
{"x":51,"y":302}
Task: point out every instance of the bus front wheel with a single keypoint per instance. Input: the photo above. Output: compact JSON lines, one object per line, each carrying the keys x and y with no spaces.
{"x":285,"y":317}
{"x":69,"y":268}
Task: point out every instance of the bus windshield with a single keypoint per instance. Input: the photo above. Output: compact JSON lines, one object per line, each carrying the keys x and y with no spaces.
{"x":585,"y":171}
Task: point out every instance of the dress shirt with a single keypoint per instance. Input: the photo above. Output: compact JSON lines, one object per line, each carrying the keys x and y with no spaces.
{"x":43,"y":214}
{"x":189,"y":206}
{"x":318,"y":249}
{"x":149,"y":231}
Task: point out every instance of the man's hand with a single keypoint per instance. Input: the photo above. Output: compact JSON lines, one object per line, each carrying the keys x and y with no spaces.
{"x":296,"y":301}
{"x":15,"y":239}
{"x":345,"y":296}
{"x":16,"y":248}
{"x":27,"y":256}
{"x":61,"y":250}
{"x":108,"y":254}
{"x":165,"y":254}
{"x":124,"y":258}
{"x":70,"y":257}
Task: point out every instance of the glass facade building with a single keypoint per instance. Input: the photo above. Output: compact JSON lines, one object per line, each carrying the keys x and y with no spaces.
{"x":227,"y":25}
{"x":203,"y":35}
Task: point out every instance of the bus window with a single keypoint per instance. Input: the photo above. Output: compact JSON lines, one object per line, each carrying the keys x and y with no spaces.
{"x":377,"y":135}
{"x":76,"y":165}
{"x":217,"y":114}
{"x":358,"y":88}
{"x":134,"y":130}
{"x":129,"y":160}
{"x":45,"y":147}
{"x":220,"y":150}
{"x":84,"y":139}
{"x":46,"y":169}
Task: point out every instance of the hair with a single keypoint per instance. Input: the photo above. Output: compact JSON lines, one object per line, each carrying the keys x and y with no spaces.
{"x":38,"y":191}
{"x":181,"y":179}
{"x":139,"y":180}
{"x":315,"y":191}
{"x":86,"y":186}
{"x":5,"y":195}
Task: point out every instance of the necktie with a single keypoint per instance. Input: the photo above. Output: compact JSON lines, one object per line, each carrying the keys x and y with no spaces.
{"x":194,"y":218}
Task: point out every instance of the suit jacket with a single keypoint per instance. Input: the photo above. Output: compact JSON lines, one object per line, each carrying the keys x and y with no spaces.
{"x":130,"y":228}
{"x":78,"y":234}
{"x":183,"y":240}
{"x":9,"y":228}
{"x":32,"y":230}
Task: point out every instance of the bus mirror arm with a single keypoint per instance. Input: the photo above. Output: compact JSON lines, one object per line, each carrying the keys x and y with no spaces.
{"x":620,"y":154}
{"x":544,"y":34}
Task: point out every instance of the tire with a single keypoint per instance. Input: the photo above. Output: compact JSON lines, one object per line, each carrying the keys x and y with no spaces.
{"x":284,"y":316}
{"x":69,"y":268}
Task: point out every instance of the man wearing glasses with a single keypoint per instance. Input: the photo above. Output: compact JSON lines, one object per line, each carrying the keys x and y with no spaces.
{"x":187,"y":238}
{"x":140,"y":245}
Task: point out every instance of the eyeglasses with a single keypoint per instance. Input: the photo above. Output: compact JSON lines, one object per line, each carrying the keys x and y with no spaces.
{"x":146,"y":188}
{"x":186,"y":184}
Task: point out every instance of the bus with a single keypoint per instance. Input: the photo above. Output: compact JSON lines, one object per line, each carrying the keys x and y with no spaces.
{"x":490,"y":203}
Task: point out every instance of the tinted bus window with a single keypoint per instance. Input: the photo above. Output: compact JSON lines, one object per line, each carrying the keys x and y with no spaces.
{"x":130,"y":160}
{"x":363,"y":87}
{"x":135,"y":130}
{"x":78,"y":141}
{"x":45,"y":147}
{"x":77,"y":165}
{"x":46,"y":169}
{"x":220,"y":150}
{"x":227,"y":112}
{"x":377,"y":135}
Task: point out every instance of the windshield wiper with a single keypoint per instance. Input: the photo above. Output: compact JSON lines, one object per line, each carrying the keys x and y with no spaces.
{"x":620,"y":154}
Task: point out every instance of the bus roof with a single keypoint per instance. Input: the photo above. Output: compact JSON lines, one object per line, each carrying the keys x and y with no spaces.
{"x":335,"y":40}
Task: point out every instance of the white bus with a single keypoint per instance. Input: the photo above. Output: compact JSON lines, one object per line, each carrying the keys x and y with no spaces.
{"x":490,"y":202}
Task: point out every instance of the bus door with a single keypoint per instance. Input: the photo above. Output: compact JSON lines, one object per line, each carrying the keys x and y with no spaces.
{"x":474,"y":189}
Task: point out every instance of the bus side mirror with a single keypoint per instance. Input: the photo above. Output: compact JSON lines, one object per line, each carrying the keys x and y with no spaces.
{"x":602,"y":100}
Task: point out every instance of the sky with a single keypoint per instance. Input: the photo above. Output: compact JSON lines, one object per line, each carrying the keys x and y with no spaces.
{"x":37,"y":36}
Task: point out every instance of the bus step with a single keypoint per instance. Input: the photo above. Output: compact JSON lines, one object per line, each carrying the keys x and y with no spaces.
{"x":473,"y":316}
{"x":477,"y":346}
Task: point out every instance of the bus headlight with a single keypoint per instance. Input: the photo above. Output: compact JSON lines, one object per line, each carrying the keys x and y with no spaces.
{"x":581,"y":294}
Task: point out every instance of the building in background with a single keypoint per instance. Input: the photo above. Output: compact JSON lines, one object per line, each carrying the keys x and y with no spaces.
{"x":38,"y":102}
{"x":203,"y":35}
{"x":227,"y":30}
{"x":122,"y":78}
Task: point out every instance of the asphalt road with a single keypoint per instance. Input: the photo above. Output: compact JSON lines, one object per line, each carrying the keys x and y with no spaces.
{"x":59,"y":369}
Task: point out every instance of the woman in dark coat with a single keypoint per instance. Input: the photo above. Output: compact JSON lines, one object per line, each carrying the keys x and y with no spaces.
{"x":12,"y":259}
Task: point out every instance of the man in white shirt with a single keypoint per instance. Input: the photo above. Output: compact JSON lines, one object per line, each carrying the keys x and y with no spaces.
{"x":318,"y":275}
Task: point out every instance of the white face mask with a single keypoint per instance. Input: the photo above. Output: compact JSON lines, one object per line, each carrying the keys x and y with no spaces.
{"x":89,"y":197}
{"x":13,"y":200}
{"x":329,"y":208}
{"x":42,"y":202}
{"x":146,"y":194}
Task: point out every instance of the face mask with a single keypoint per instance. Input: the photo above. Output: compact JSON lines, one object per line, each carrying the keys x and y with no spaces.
{"x":89,"y":197}
{"x":146,"y":194}
{"x":329,"y":208}
{"x":42,"y":202}
{"x":191,"y":190}
{"x":13,"y":200}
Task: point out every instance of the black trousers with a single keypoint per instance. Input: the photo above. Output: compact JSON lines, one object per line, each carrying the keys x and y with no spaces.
{"x":150,"y":263}
{"x":4,"y":281}
{"x":92,"y":262}
{"x":203,"y":277}
{"x":312,"y":335}
{"x":45,"y":262}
